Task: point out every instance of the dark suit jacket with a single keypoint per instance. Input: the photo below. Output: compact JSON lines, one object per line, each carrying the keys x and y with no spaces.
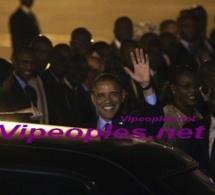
{"x":56,"y":100}
{"x":81,"y":109}
{"x":23,"y":28}
{"x":132,"y":102}
{"x":148,"y":111}
{"x":203,"y":108}
{"x":184,"y":57}
{"x":199,"y":148}
{"x":15,"y":99}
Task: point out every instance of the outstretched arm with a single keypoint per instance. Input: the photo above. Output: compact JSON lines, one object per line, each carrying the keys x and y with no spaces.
{"x":141,"y":72}
{"x":36,"y":114}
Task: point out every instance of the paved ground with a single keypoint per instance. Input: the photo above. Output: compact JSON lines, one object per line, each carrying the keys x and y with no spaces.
{"x":58,"y":18}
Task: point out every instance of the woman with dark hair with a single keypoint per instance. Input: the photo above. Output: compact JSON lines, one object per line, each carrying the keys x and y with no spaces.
{"x":183,"y":93}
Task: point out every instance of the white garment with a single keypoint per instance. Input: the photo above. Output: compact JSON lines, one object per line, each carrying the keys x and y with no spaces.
{"x":37,"y":84}
{"x":211,"y":135}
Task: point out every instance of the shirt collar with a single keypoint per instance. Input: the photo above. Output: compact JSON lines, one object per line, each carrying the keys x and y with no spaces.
{"x":68,"y":83}
{"x":55,"y":77}
{"x":212,"y":123}
{"x":117,"y":43}
{"x":21,"y":82}
{"x":101,"y":123}
{"x":25,"y":9}
{"x":85,"y":87}
{"x":185,"y":43}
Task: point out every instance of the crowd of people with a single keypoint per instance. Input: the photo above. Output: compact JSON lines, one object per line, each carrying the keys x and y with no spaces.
{"x":87,"y":83}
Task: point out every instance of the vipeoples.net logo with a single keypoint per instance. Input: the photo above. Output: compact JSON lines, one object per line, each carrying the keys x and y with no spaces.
{"x":30,"y":132}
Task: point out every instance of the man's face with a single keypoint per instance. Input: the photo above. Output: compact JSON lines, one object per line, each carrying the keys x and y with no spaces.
{"x":124,"y":31}
{"x":23,"y":65}
{"x":188,"y":30}
{"x":107,"y":98}
{"x":82,"y":45}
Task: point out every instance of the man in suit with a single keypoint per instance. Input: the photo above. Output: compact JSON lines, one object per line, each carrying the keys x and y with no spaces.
{"x":206,"y":75}
{"x":123,"y":30}
{"x":108,"y":95}
{"x":52,"y":80}
{"x":23,"y":25}
{"x":187,"y":51}
{"x":20,"y":95}
{"x":203,"y":150}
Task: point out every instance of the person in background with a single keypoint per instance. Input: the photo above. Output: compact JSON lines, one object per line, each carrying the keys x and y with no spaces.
{"x":42,"y":47}
{"x":23,"y":25}
{"x":206,"y":75}
{"x":203,"y":149}
{"x":108,"y":95}
{"x":6,"y":81}
{"x":183,"y":92}
{"x":170,"y":26}
{"x":123,"y":30}
{"x":81,"y":42}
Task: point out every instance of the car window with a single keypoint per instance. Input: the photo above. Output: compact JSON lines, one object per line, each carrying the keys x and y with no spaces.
{"x":31,"y":182}
{"x":190,"y":182}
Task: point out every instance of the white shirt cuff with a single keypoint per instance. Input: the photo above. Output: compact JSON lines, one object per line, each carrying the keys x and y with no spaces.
{"x":151,"y":99}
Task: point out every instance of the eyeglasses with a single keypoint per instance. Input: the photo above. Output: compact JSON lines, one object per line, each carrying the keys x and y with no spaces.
{"x":188,"y":86}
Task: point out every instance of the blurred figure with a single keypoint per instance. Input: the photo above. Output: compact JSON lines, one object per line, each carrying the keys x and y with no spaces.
{"x":169,"y":47}
{"x":183,"y":92}
{"x":42,"y":47}
{"x":159,"y":66}
{"x":204,"y":47}
{"x":187,"y":52}
{"x":194,"y":47}
{"x":206,"y":76}
{"x":123,"y":30}
{"x":64,"y":49}
{"x":95,"y":63}
{"x":203,"y":149}
{"x":111,"y":62}
{"x":201,"y":17}
{"x":102,"y":50}
{"x":134,"y":96}
{"x":52,"y":80}
{"x":20,"y":95}
{"x":170,"y":26}
{"x":78,"y":81}
{"x":6,"y":69}
{"x":6,"y":78}
{"x":81,"y":42}
{"x":23,"y":25}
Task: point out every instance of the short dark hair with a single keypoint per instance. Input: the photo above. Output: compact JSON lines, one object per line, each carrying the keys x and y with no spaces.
{"x":80,"y":31}
{"x":165,"y":23}
{"x":122,"y":20}
{"x":37,"y":40}
{"x":21,"y":49}
{"x":177,"y":71}
{"x":107,"y":77}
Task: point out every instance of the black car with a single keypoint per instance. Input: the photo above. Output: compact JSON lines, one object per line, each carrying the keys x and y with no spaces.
{"x":61,"y":166}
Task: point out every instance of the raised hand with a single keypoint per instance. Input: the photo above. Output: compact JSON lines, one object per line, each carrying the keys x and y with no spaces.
{"x":141,"y":72}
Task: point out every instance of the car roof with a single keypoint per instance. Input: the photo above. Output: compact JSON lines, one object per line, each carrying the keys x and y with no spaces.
{"x":133,"y":155}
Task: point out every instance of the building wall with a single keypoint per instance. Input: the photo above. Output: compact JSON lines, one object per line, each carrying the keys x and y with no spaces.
{"x":58,"y":18}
